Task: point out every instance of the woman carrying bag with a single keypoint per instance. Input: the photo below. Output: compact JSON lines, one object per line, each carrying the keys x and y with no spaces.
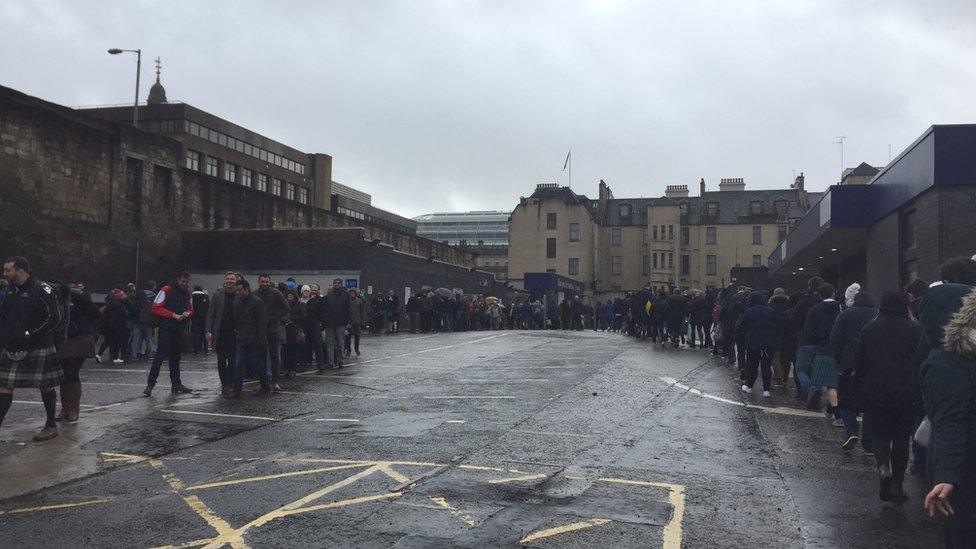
{"x":73,"y":351}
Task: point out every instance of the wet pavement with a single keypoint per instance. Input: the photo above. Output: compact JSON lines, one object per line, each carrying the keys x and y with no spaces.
{"x":538,"y":439}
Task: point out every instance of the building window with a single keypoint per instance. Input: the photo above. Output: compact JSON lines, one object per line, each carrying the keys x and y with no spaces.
{"x":646,"y":265}
{"x":192,"y":160}
{"x":303,"y":195}
{"x":781,"y":233}
{"x":290,"y":191}
{"x":615,"y":265}
{"x":230,"y":172}
{"x":711,"y":267}
{"x":246,"y":176}
{"x":574,"y":265}
{"x":757,"y":261}
{"x":654,"y":232}
{"x":757,"y":234}
{"x":711,"y":208}
{"x":551,"y":271}
{"x":625,"y":210}
{"x":670,"y":232}
{"x":644,"y":235}
{"x":276,"y":187}
{"x":685,"y":208}
{"x":711,"y":236}
{"x":550,"y":220}
{"x":211,"y":167}
{"x":614,"y":237}
{"x":654,"y":259}
{"x":909,"y":231}
{"x":671,"y":260}
{"x":263,"y":182}
{"x":685,"y":265}
{"x":756,"y":207}
{"x":574,"y":232}
{"x":550,"y":248}
{"x":685,"y":236}
{"x":782,"y":207}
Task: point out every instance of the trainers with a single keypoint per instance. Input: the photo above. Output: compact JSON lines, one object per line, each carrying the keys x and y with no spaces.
{"x":746,"y":389}
{"x":181,"y":389}
{"x":275,"y":388}
{"x":98,"y":359}
{"x":767,"y":394}
{"x":148,"y":390}
{"x":850,"y":443}
{"x":47,"y":433}
{"x":837,"y":423}
{"x":118,"y":361}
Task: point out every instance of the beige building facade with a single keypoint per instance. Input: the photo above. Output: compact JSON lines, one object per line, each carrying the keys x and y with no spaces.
{"x":616,"y":245}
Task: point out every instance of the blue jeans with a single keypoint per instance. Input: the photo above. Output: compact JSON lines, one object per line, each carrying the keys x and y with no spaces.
{"x":141,"y":333}
{"x":804,"y":366}
{"x":170,"y":347}
{"x":250,"y":357}
{"x":849,"y":417}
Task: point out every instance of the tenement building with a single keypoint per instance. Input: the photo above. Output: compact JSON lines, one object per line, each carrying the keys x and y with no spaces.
{"x":619,"y":244}
{"x":483,"y":232}
{"x":884,"y":229}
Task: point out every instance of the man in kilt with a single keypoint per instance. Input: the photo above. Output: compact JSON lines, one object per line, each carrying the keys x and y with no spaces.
{"x":29,"y":316}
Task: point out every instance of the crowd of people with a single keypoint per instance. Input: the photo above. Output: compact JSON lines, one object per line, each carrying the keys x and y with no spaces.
{"x":903,"y":364}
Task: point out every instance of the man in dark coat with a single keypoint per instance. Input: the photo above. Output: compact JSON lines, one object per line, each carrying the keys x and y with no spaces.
{"x":948,"y":379}
{"x":816,"y":335}
{"x":843,"y":345}
{"x":759,"y":328}
{"x":29,"y":318}
{"x":219,"y":330}
{"x":337,"y":312}
{"x":251,"y":336}
{"x":174,"y":309}
{"x":277,"y":309}
{"x":641,"y":315}
{"x":677,"y":311}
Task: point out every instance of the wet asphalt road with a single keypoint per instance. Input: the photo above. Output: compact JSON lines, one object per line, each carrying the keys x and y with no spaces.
{"x":540,"y":439}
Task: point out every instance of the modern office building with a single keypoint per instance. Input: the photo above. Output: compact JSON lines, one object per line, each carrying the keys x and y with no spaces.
{"x":614,"y":245}
{"x":485,"y":233}
{"x":909,"y":218}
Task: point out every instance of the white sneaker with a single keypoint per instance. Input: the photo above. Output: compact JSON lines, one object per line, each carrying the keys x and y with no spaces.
{"x":746,"y":389}
{"x":98,"y":359}
{"x":766,"y":394}
{"x":118,"y":361}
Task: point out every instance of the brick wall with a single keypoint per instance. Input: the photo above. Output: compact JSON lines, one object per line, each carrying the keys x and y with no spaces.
{"x":81,"y":198}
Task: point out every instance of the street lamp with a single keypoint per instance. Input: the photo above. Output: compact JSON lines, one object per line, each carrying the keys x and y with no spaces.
{"x":135,"y":109}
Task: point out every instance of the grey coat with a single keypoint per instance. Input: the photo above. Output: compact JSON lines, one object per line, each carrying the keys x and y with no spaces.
{"x":215,"y":314}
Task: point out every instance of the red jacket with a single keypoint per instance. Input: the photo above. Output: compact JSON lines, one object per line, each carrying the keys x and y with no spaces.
{"x":170,"y":300}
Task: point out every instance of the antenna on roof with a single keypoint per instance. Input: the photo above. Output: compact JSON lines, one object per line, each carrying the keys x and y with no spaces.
{"x":840,"y":141}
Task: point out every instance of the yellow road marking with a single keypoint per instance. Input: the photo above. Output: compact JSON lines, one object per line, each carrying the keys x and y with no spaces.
{"x":218,"y":415}
{"x":676,"y":497}
{"x":388,"y":471}
{"x":516,"y":479}
{"x":215,"y":522}
{"x":53,"y":506}
{"x":770,"y":409}
{"x":127,"y":458}
{"x":441,"y":502}
{"x":344,"y":503}
{"x":279,"y":475}
{"x":574,"y":527}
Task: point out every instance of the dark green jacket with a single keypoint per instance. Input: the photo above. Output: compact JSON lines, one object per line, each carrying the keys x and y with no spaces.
{"x":948,"y":380}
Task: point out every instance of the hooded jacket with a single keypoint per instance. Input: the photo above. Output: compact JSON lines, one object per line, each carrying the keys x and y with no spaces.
{"x":882,"y":359}
{"x":948,"y":379}
{"x":819,"y":323}
{"x":847,"y":328}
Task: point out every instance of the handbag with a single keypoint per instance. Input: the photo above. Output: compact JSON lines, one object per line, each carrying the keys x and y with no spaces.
{"x":923,"y":435}
{"x":79,"y":346}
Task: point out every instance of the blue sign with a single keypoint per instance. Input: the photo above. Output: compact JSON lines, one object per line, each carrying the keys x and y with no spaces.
{"x":352,"y":283}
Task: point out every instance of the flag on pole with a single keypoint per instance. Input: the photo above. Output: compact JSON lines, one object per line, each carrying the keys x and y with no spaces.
{"x":566,"y":163}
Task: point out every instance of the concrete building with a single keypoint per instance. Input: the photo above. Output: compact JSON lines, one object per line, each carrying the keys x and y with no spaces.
{"x":912,"y":216}
{"x":484,"y":232}
{"x":619,"y":244}
{"x":101,"y":202}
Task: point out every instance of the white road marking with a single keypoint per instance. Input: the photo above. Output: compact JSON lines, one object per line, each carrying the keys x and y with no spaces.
{"x":337,"y":419}
{"x":219,"y":415}
{"x":471,"y":397}
{"x":554,"y":434}
{"x":770,"y":409}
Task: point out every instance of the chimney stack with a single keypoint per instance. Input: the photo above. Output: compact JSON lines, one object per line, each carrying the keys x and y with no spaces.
{"x":798,"y":183}
{"x":732,"y":184}
{"x":676,"y":191}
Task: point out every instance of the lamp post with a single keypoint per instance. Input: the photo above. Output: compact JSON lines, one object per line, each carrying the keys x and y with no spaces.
{"x":135,"y":108}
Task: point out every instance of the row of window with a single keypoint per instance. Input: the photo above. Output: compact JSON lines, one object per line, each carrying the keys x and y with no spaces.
{"x":650,"y":262}
{"x":225,"y":140}
{"x":245,"y":176}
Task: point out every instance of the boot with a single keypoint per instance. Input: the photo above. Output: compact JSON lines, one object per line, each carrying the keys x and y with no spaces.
{"x":73,"y":392}
{"x":65,"y":408}
{"x":47,"y":433}
{"x":179,"y":388}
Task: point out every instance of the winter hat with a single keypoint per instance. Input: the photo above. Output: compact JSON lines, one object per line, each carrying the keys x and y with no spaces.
{"x":938,"y":306}
{"x":779,"y":292}
{"x":850,"y":293}
{"x":305,"y":288}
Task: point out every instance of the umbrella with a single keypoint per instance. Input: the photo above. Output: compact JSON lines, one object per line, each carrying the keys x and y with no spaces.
{"x":691,"y":291}
{"x":444,"y":292}
{"x":491,"y":300}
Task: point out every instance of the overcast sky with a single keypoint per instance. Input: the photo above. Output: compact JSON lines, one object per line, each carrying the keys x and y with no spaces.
{"x":463,"y":105}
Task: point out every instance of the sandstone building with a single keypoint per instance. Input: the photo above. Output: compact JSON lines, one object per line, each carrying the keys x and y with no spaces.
{"x":616,"y":245}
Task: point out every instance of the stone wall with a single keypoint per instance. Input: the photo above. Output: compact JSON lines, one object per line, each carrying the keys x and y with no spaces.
{"x":103,"y":203}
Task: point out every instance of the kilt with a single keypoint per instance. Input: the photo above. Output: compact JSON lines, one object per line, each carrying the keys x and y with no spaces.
{"x":824,"y":372}
{"x":40,"y":368}
{"x":804,"y":359}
